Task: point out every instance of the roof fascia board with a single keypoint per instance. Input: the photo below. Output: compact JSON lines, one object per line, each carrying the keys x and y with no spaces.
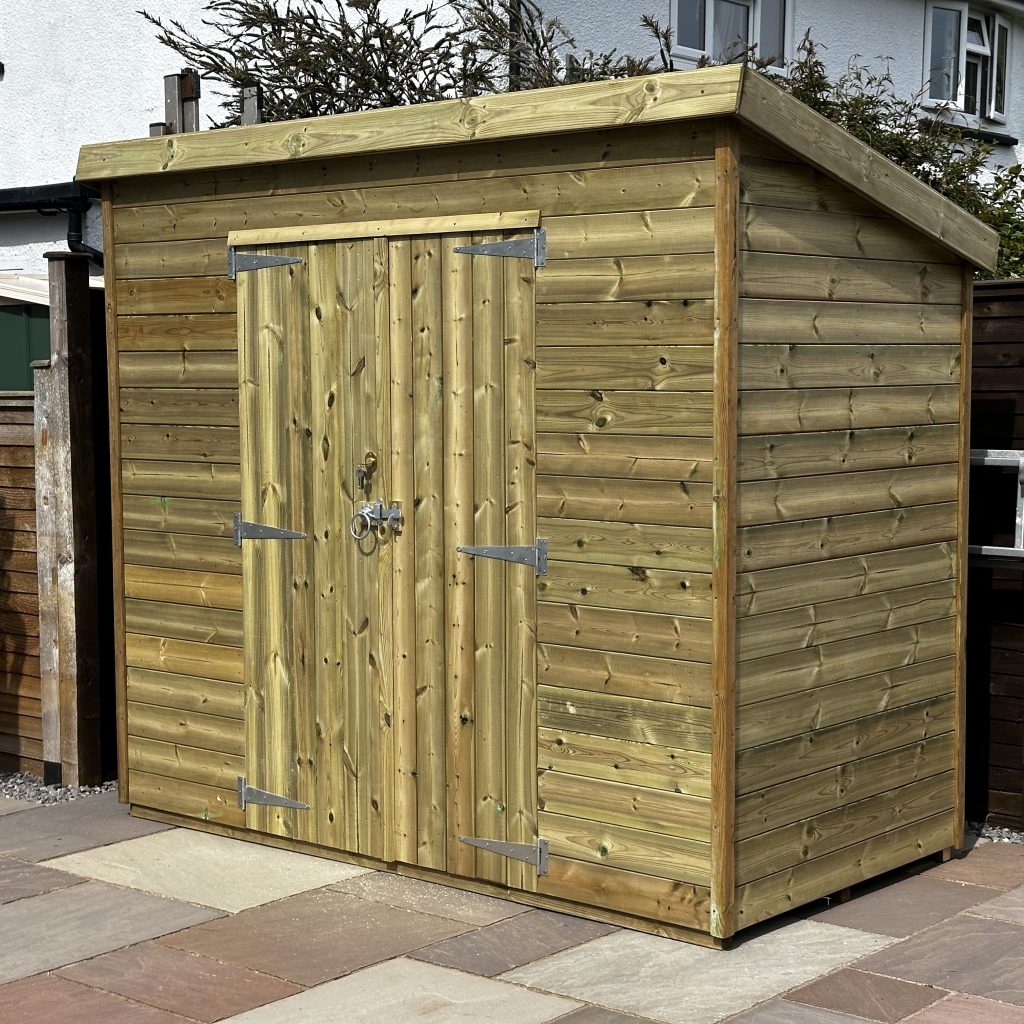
{"x":771,"y":111}
{"x":671,"y":96}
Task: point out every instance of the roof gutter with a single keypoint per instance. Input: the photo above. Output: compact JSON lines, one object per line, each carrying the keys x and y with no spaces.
{"x":69,"y":197}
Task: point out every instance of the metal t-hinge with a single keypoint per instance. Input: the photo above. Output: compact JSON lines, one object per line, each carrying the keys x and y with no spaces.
{"x":252,"y":795}
{"x":239,"y":262}
{"x":533,"y":248}
{"x":535,"y":555}
{"x":529,"y":853}
{"x":244,"y":530}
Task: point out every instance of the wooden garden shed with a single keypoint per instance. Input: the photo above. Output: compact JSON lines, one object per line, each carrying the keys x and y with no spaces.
{"x":682,"y":362}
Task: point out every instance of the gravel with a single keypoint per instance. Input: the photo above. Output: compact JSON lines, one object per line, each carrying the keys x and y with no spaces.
{"x":20,"y":786}
{"x":994,"y":833}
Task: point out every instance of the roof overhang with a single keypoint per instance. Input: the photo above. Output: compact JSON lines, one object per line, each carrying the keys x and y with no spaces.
{"x":31,"y":289}
{"x":729,"y":90}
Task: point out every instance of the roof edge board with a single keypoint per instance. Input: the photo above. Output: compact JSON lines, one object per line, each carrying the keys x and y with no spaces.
{"x":670,"y":96}
{"x":773,"y":112}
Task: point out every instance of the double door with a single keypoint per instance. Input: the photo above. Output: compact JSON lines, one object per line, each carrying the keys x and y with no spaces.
{"x":390,"y":679}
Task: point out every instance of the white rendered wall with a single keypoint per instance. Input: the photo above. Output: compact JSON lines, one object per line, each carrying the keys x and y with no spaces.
{"x":842,"y":28}
{"x":75,"y":72}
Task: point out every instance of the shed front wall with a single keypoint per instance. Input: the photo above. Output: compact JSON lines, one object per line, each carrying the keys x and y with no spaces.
{"x":624,"y":331}
{"x":849,"y":466}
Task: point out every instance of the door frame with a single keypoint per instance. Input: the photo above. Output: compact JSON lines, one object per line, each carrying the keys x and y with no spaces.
{"x":521,"y":727}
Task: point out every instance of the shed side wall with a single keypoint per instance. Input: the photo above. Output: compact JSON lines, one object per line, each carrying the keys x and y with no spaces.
{"x":847,"y":512}
{"x":624,"y":333}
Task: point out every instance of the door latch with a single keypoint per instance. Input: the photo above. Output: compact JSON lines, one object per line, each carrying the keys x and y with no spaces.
{"x":374,"y":516}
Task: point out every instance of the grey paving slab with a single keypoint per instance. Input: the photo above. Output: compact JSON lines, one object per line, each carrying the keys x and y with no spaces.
{"x":212,"y":870}
{"x":430,"y":898}
{"x":599,"y":1015}
{"x":902,"y":907}
{"x":1008,"y":907}
{"x":8,"y":805}
{"x":969,"y":954}
{"x":82,"y":921}
{"x":19,"y":880}
{"x":782,"y":1011}
{"x":681,"y":984}
{"x":410,"y":992}
{"x":514,"y":942}
{"x":42,"y":833}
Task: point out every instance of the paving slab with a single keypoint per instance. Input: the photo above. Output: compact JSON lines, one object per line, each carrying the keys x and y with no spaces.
{"x":410,"y":992}
{"x":599,"y":1015}
{"x":8,"y":805}
{"x":512,"y":943}
{"x":48,"y":999}
{"x":1000,"y":865}
{"x":871,"y":996}
{"x":315,"y":937}
{"x":782,"y":1011}
{"x":969,"y":954}
{"x":430,"y":898}
{"x":19,"y":880}
{"x":184,"y":983}
{"x":82,"y":921}
{"x":961,"y":1009}
{"x":42,"y":833}
{"x":229,"y":874}
{"x":901,"y":908}
{"x":683,"y":984}
{"x":1008,"y":907}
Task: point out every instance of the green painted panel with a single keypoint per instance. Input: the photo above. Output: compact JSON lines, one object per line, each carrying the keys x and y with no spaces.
{"x":24,"y":337}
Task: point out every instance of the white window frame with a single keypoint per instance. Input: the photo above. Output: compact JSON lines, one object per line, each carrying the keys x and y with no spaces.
{"x":688,"y":55}
{"x":951,"y":5}
{"x":992,"y":21}
{"x":998,"y":21}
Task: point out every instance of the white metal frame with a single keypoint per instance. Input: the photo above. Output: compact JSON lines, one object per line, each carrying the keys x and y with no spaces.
{"x":688,"y":55}
{"x":991,"y":21}
{"x":999,"y":22}
{"x":1015,"y":460}
{"x":950,"y":5}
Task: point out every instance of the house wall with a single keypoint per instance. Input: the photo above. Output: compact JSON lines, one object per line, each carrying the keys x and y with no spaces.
{"x":67,"y":82}
{"x":624,"y":414}
{"x":849,"y":403}
{"x":872,"y":29}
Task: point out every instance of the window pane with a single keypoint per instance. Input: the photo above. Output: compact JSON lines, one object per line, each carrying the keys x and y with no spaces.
{"x":772,"y":42}
{"x":972,"y":83}
{"x":691,"y":24}
{"x":1002,"y":45}
{"x":732,"y":29}
{"x":943,"y":68}
{"x":975,"y":33}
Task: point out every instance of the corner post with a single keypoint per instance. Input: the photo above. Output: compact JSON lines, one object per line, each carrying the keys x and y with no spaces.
{"x":723,"y":574}
{"x":116,"y":497}
{"x":66,"y":529}
{"x":963,"y":490}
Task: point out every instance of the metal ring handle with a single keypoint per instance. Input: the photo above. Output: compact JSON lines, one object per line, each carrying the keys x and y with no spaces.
{"x":353,"y":526}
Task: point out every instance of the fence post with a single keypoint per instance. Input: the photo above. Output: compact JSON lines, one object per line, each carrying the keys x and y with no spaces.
{"x":66,"y":530}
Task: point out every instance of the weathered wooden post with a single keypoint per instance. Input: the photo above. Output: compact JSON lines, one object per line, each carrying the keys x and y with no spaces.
{"x":66,"y":528}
